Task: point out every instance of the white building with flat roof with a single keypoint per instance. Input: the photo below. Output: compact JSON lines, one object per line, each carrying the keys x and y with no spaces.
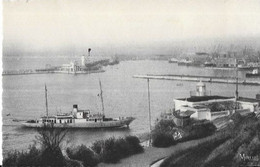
{"x":201,"y":104}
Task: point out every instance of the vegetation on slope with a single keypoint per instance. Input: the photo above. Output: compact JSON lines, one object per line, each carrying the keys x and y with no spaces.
{"x":236,"y":145}
{"x":165,"y":130}
{"x":50,"y":153}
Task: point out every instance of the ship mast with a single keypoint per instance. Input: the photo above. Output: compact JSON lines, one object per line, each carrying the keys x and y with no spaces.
{"x":149,"y":107}
{"x":46,"y":102}
{"x":101,"y":97}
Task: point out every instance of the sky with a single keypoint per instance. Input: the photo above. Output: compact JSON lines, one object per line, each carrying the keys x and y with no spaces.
{"x":55,"y":24}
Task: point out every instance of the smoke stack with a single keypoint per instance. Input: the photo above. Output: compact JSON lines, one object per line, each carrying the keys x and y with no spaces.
{"x":75,"y":106}
{"x":89,"y":49}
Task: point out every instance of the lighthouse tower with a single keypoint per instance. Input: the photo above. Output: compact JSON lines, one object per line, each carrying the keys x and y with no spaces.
{"x":200,"y":89}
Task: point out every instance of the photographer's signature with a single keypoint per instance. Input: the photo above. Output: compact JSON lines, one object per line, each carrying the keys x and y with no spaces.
{"x":249,"y":158}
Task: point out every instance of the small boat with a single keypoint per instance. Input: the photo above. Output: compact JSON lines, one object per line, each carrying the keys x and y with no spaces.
{"x":184,"y":62}
{"x":173,"y":60}
{"x":209,"y":64}
{"x":254,"y":73}
{"x":79,"y":119}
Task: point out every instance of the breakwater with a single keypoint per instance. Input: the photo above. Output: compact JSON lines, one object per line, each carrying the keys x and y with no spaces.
{"x":30,"y":71}
{"x":197,"y":78}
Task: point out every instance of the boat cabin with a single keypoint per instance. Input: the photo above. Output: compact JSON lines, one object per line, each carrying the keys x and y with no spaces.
{"x":76,"y":116}
{"x":56,"y":119}
{"x":255,"y":71}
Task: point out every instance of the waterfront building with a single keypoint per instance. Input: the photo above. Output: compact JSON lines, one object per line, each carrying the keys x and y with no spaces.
{"x":72,"y":67}
{"x":195,"y":59}
{"x":209,"y":107}
{"x":249,"y":103}
{"x":226,"y":62}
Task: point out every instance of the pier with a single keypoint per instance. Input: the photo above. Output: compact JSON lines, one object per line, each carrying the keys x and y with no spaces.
{"x":37,"y":71}
{"x":197,"y":78}
{"x":25,"y":72}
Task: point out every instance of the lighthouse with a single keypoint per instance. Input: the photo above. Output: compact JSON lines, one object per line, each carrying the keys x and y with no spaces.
{"x":200,"y":89}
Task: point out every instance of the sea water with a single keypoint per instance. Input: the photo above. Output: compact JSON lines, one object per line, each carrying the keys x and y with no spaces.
{"x":24,"y":97}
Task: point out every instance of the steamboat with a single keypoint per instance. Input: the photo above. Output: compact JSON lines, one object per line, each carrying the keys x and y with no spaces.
{"x":79,"y":118}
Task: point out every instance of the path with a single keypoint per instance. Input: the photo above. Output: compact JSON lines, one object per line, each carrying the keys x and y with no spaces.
{"x":152,"y":154}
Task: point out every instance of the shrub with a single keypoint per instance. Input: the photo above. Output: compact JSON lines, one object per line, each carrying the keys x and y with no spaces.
{"x":112,"y":150}
{"x":198,"y":130}
{"x":134,"y":144}
{"x":162,"y":139}
{"x":97,"y":146}
{"x":84,"y":154}
{"x":164,"y":125}
{"x":11,"y":158}
{"x":237,"y":118}
{"x":123,"y":148}
{"x":50,"y":139}
{"x":162,"y":133}
{"x":29,"y":158}
{"x":52,"y":157}
{"x":110,"y":153}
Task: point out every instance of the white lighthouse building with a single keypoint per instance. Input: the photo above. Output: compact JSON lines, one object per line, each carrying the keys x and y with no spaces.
{"x":200,"y":89}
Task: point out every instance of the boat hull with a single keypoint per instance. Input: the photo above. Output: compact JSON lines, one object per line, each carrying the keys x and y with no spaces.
{"x":83,"y":125}
{"x":248,"y":75}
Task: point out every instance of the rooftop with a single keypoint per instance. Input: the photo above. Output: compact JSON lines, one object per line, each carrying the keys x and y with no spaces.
{"x":204,"y":98}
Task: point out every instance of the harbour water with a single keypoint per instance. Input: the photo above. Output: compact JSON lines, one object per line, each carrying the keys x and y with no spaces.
{"x":23,"y":97}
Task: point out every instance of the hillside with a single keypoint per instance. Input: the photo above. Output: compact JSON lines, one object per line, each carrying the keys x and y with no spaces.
{"x":238,"y":144}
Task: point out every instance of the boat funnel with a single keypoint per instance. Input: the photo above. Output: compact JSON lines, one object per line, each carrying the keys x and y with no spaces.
{"x":89,"y":49}
{"x":75,"y":106}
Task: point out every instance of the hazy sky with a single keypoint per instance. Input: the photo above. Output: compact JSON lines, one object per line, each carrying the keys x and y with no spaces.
{"x":41,"y":24}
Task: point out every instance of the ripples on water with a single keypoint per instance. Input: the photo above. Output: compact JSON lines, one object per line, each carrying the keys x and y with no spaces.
{"x":23,"y":97}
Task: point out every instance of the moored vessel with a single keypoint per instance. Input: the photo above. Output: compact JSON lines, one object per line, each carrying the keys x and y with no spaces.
{"x":79,"y":119}
{"x":173,"y":60}
{"x":254,"y":73}
{"x":184,"y":62}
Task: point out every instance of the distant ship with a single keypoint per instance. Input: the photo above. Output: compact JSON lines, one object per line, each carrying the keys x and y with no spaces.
{"x":184,"y":62}
{"x":209,"y":64}
{"x":247,"y":67}
{"x":79,"y":119}
{"x":173,"y":60}
{"x":254,"y":73}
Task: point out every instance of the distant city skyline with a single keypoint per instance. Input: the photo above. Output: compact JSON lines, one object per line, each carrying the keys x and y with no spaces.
{"x":39,"y":25}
